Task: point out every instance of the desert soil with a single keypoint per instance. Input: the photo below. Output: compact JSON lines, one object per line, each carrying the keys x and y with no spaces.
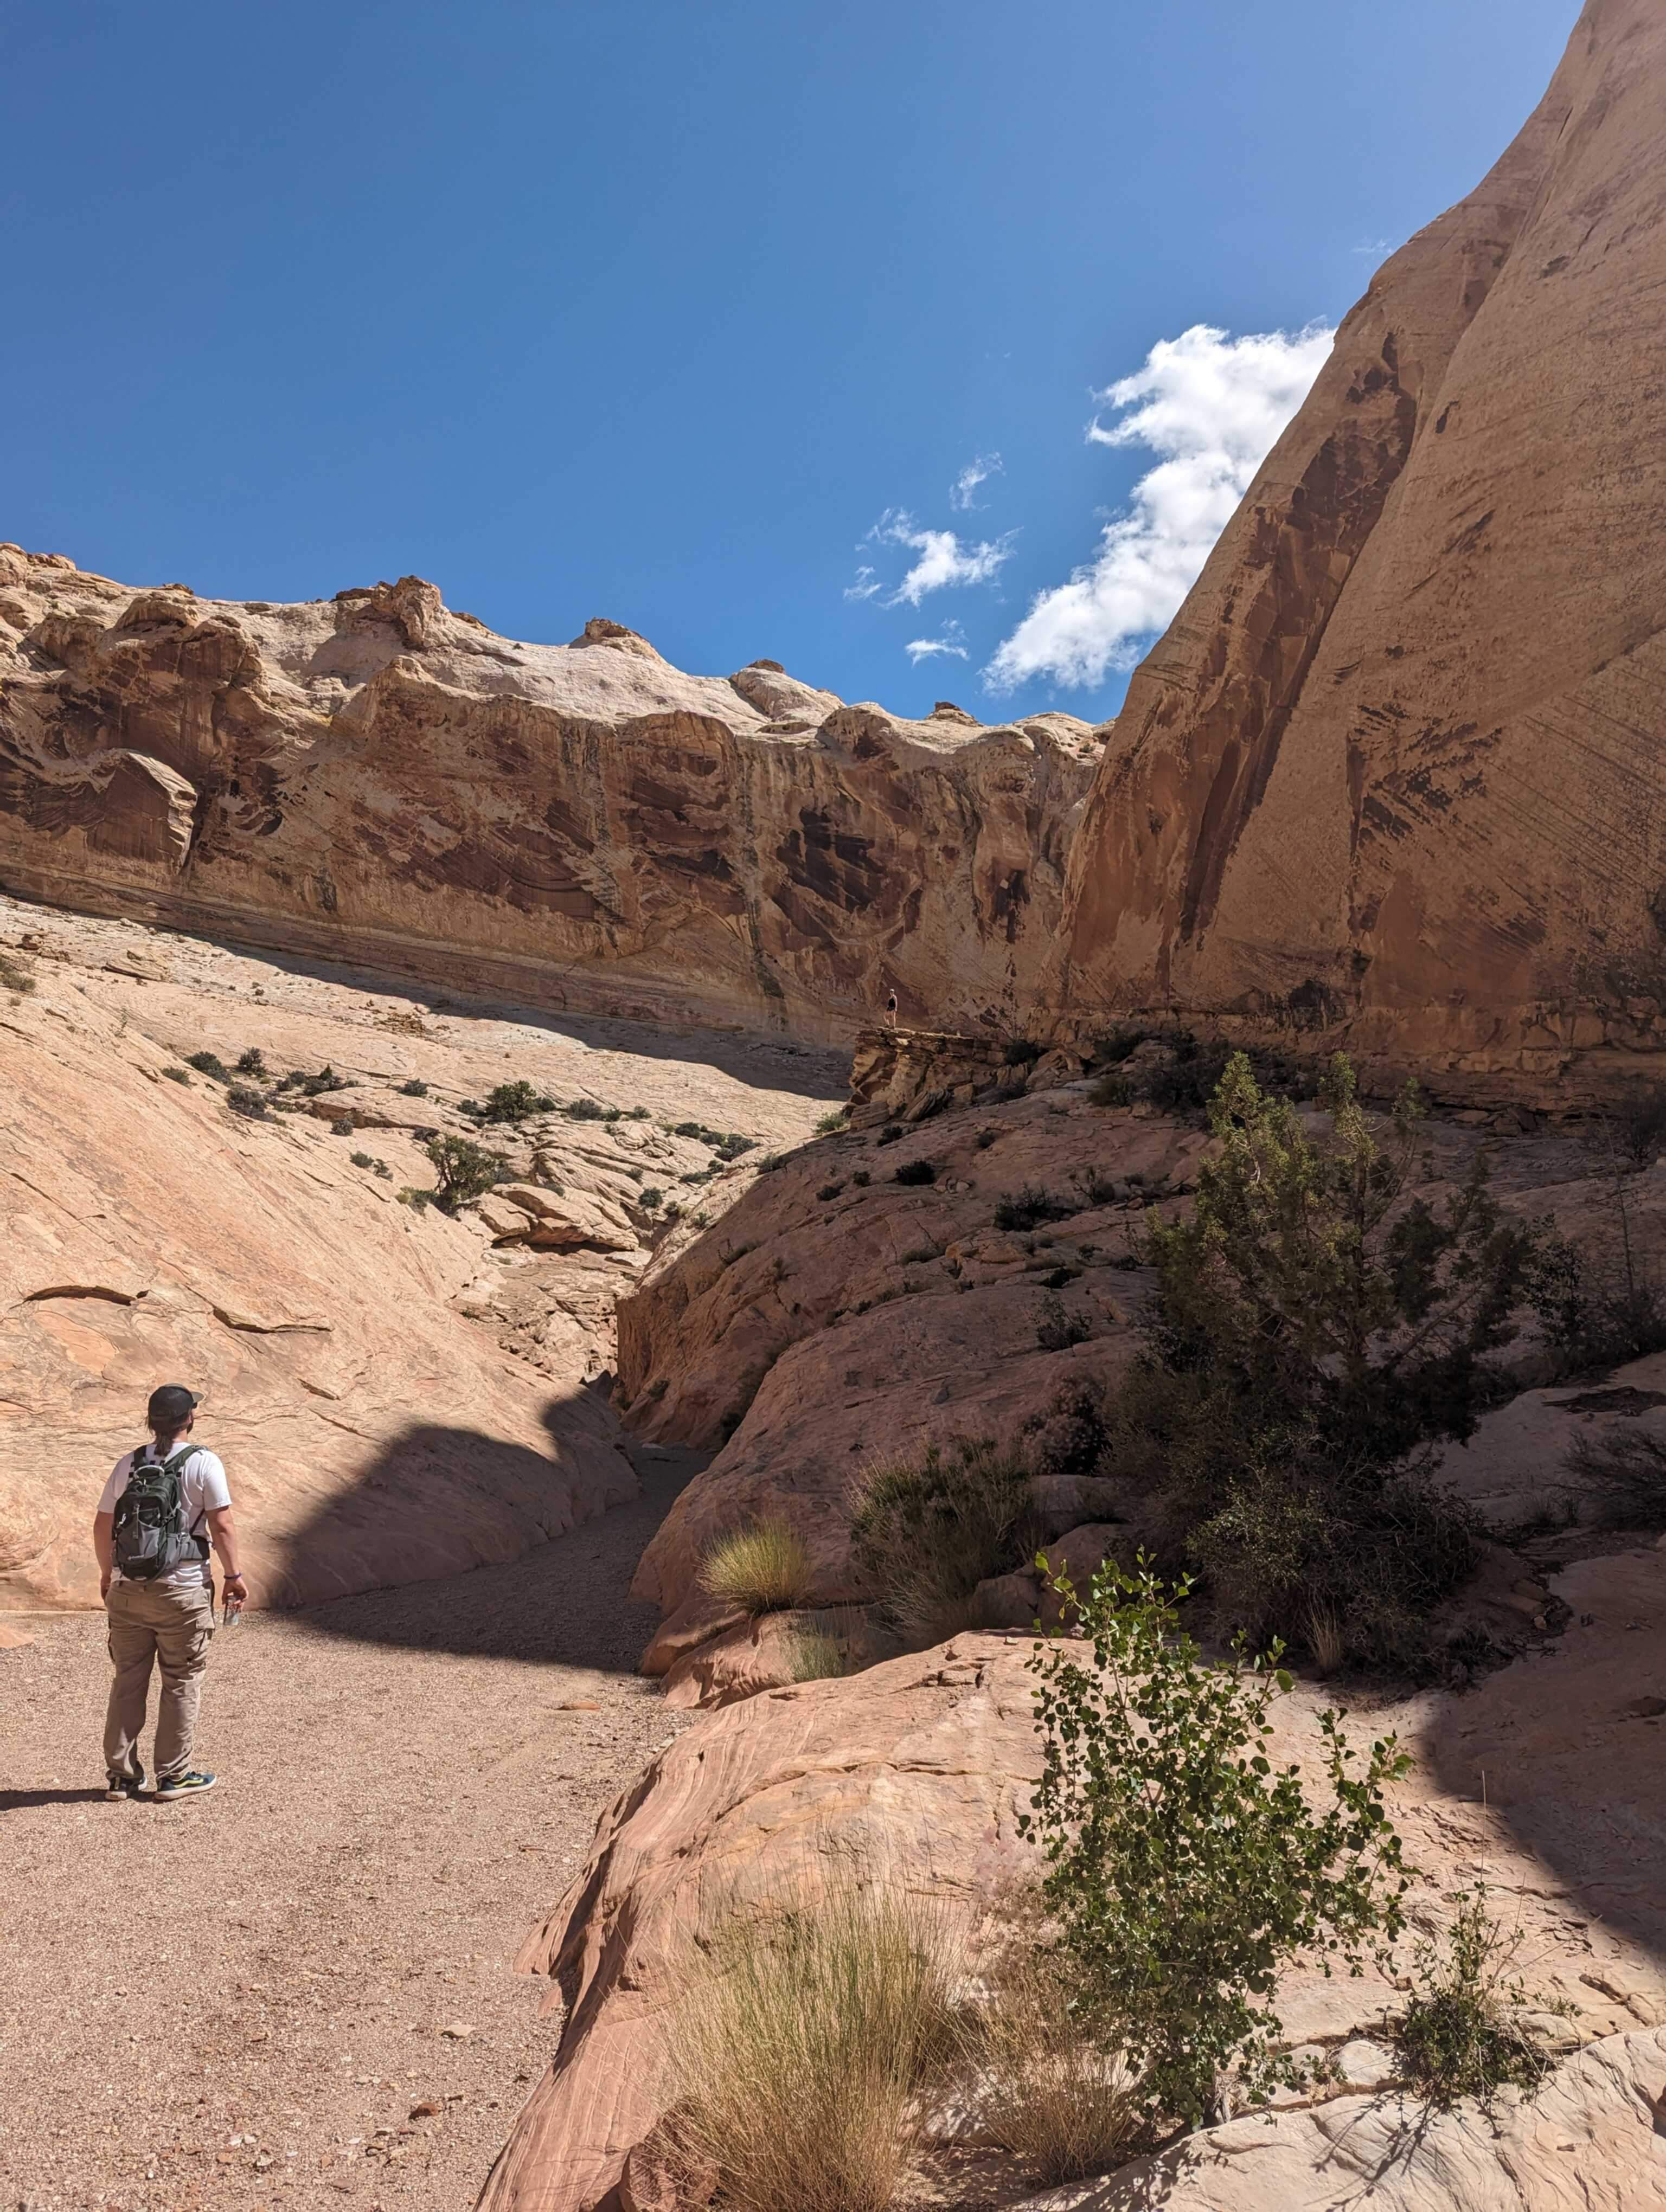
{"x":296,"y":1990}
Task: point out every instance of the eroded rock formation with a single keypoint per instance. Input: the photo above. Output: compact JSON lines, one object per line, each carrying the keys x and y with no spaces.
{"x":916,"y":1769}
{"x":375,"y":777}
{"x":397,"y":1393}
{"x":1395,"y":774}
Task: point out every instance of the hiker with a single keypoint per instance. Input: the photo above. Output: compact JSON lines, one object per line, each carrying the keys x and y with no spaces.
{"x":162,"y":1508}
{"x":890,"y":1012}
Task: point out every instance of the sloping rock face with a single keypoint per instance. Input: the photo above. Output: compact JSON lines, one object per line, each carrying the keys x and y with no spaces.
{"x":396,"y":1394}
{"x":1396,"y":772}
{"x":917,"y":1771}
{"x":374,"y":778}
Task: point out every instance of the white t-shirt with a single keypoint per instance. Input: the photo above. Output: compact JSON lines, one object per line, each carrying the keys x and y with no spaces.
{"x":203,"y":1490}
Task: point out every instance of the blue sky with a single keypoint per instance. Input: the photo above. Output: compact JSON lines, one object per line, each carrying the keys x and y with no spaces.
{"x":663,"y":311}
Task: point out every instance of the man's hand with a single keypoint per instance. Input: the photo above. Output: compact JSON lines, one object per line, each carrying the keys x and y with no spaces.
{"x":107,"y":1575}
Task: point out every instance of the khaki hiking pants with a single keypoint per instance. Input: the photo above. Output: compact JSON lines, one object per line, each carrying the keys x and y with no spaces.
{"x":169,"y":1624}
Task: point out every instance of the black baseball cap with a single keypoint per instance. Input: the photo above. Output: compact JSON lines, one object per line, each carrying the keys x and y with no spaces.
{"x":171,"y":1407}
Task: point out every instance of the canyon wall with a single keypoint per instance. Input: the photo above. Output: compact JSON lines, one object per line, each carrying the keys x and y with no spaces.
{"x":374,"y":778}
{"x":1395,"y":774}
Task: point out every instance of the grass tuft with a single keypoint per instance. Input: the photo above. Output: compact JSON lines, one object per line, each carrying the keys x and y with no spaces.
{"x":762,"y":1569}
{"x":1463,"y":2033}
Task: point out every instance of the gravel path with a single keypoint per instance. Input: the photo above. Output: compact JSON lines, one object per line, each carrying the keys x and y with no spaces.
{"x":295,"y":1991}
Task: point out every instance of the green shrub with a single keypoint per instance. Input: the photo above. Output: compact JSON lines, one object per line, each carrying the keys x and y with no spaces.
{"x":926,"y":1531}
{"x":1070,"y":1435}
{"x":416,"y":1088}
{"x":650,"y":1199}
{"x":584,"y":1110}
{"x":467,"y":1170}
{"x":1310,"y":1331}
{"x":1464,"y":2033}
{"x":1186,"y":1871}
{"x":1032,"y":1205}
{"x":16,"y":975}
{"x":1638,"y":1122}
{"x":638,"y":1113}
{"x":177,"y":1075}
{"x":1110,"y":1088}
{"x":819,"y":1657}
{"x":915,"y":1171}
{"x":208,"y":1064}
{"x":762,"y":1569}
{"x":1057,"y":1330}
{"x":861,"y":1178}
{"x":363,"y":1160}
{"x":833,"y":1124}
{"x":243,"y":1098}
{"x":828,"y":1191}
{"x":1020,"y":1052}
{"x":251,"y":1062}
{"x":804,"y":2040}
{"x":892,"y":1133}
{"x":513,"y":1102}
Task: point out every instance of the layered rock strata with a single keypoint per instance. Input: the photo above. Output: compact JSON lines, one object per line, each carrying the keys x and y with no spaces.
{"x":1395,"y":774}
{"x":374,"y":778}
{"x":397,"y":1393}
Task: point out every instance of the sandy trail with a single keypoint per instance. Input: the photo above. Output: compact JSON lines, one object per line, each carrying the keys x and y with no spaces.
{"x":222,"y":2002}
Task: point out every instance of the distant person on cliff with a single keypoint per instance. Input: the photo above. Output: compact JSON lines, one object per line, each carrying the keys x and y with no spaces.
{"x":890,"y":1012}
{"x":163,"y":1508}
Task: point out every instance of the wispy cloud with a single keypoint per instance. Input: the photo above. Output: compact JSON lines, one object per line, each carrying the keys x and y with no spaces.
{"x":867,"y":585}
{"x":943,"y":559}
{"x":974,"y":473}
{"x":952,"y":643}
{"x":1211,"y":407}
{"x":1375,"y":246}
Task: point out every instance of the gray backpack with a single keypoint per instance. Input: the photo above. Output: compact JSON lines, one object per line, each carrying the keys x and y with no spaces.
{"x":150,"y":1537}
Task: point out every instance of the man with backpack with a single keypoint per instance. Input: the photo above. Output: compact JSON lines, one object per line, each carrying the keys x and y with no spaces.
{"x":163,"y":1508}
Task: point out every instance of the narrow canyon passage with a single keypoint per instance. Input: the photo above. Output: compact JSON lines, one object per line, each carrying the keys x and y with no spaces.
{"x":297,"y":1992}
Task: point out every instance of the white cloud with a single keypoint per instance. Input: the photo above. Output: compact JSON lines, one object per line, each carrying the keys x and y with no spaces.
{"x":943,"y":559}
{"x":1211,"y":407}
{"x":867,"y":585}
{"x":1375,"y":246}
{"x":951,"y":643}
{"x":974,"y":473}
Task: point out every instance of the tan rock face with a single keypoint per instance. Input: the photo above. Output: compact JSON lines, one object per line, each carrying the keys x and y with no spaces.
{"x":920,"y":1768}
{"x":378,"y":779}
{"x":1394,"y":772}
{"x":396,"y":1394}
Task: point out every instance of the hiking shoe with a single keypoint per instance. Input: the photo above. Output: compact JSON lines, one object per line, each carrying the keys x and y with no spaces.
{"x":170,"y":1786}
{"x":123,"y":1785}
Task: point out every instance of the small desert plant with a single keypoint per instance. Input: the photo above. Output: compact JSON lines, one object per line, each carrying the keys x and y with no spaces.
{"x":416,"y":1088}
{"x":208,"y":1064}
{"x":251,"y":1062}
{"x":14,"y":974}
{"x":927,"y":1531}
{"x":819,"y":1657}
{"x":828,"y":1191}
{"x":1097,"y":1187}
{"x":892,"y":1133}
{"x":243,"y":1098}
{"x":1638,"y":1122}
{"x":1020,"y":1052}
{"x":465,"y":1170}
{"x":363,"y":1160}
{"x":1032,"y":1206}
{"x":1627,"y":1468}
{"x":650,"y":1198}
{"x":1111,"y":1089}
{"x":832,"y":1125}
{"x":1185,"y":1870}
{"x":177,"y":1075}
{"x":585,"y":1109}
{"x":915,"y":1171}
{"x":804,"y":2042}
{"x":861,"y":1178}
{"x":513,"y":1102}
{"x":986,"y":1138}
{"x":1046,"y":2089}
{"x":1070,"y":1435}
{"x":1057,"y":1330}
{"x":343,"y":1126}
{"x":1463,"y":2033}
{"x":763,"y":1568}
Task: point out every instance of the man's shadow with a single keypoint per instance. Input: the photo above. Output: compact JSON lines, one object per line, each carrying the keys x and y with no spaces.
{"x":14,"y":1800}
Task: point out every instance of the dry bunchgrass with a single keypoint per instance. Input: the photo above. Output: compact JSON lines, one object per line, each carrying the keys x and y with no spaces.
{"x":803,"y":2048}
{"x":1325,"y":1640}
{"x":1045,"y":2086}
{"x":819,"y":1657}
{"x":762,"y":1569}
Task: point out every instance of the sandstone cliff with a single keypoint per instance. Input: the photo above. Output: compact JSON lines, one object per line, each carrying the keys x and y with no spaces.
{"x":375,"y":777}
{"x":397,"y":1393}
{"x":1395,"y":774}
